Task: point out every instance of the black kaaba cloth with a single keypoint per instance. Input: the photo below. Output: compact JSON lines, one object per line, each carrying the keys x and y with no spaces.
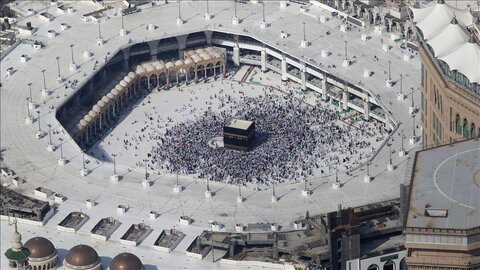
{"x":239,"y":134}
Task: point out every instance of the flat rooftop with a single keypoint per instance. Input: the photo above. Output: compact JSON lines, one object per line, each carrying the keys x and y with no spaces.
{"x":446,"y":183}
{"x":239,"y":124}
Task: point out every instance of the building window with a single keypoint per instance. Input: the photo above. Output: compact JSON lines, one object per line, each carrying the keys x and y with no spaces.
{"x":390,"y":265}
{"x":423,"y":75}
{"x":473,"y":131}
{"x":373,"y":267}
{"x":451,"y":120}
{"x":403,"y":264}
{"x":465,"y":128}
{"x":458,"y":126}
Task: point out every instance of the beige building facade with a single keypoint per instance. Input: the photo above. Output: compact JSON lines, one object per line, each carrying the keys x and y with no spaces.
{"x":449,"y":113}
{"x":450,"y":52}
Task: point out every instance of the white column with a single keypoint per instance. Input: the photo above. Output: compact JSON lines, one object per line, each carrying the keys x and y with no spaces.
{"x":264,"y":60}
{"x":304,"y":78}
{"x":236,"y":55}
{"x":345,"y":96}
{"x":284,"y":69}
{"x":324,"y":89}
{"x":366,"y":109}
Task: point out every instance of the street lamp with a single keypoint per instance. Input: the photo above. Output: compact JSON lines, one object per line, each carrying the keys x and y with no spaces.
{"x":38,"y":120}
{"x":45,"y":91}
{"x":114,"y":177}
{"x":29,"y":116}
{"x":30,"y":89}
{"x":114,"y":164}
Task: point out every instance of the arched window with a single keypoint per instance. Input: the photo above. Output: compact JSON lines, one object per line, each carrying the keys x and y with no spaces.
{"x":458,"y":126}
{"x":465,"y":128}
{"x":373,"y":267}
{"x":403,"y":264}
{"x":390,"y":265}
{"x":473,"y":131}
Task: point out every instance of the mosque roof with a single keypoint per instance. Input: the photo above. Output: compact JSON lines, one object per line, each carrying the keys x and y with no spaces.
{"x":445,"y":29}
{"x":40,"y":247}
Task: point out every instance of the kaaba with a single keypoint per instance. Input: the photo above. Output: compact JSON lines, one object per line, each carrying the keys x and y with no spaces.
{"x":239,"y":134}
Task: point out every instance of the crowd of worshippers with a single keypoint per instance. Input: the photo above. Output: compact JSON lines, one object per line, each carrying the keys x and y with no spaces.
{"x":293,"y":141}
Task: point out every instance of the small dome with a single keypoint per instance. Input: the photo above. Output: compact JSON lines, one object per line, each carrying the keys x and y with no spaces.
{"x":83,"y":123}
{"x":87,"y":118}
{"x":105,"y":99}
{"x":159,"y":66}
{"x":101,"y":103}
{"x":126,"y":261}
{"x":199,"y":51}
{"x":40,"y":247}
{"x":209,"y":49}
{"x":127,"y":79}
{"x":150,"y":68}
{"x":169,"y":65}
{"x":92,"y":113}
{"x":179,"y":63}
{"x":207,"y":57}
{"x":97,"y":108}
{"x":123,"y":83}
{"x":82,"y":255}
{"x":188,"y":61}
{"x":110,"y":96}
{"x":132,"y":75}
{"x":114,"y":92}
{"x":119,"y":87}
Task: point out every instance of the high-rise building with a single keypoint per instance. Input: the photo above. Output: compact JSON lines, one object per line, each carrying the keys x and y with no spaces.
{"x":443,"y":222}
{"x":450,"y":52}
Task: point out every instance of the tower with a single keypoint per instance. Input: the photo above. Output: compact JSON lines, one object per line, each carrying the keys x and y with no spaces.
{"x":17,"y":255}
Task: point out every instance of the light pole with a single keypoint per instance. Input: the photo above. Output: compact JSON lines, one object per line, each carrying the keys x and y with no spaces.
{"x":83,"y":171}
{"x":44,"y":90}
{"x":50,"y":134}
{"x":346,"y":52}
{"x":179,"y":9}
{"x":401,"y":84}
{"x":146,"y":172}
{"x":211,"y":240}
{"x":83,"y":161}
{"x":30,"y":89}
{"x":304,"y":34}
{"x":389,"y":68}
{"x":263,"y":15}
{"x":114,"y":164}
{"x":71,"y":52}
{"x":235,"y":8}
{"x":114,"y":177}
{"x":390,"y":166}
{"x":61,"y":148}
{"x":59,"y":76}
{"x":61,"y":160}
{"x":367,"y":178}
{"x":99,"y":31}
{"x":38,"y":120}
{"x":29,"y":116}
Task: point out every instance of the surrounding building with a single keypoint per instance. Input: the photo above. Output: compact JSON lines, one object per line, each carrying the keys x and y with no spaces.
{"x":443,"y":222}
{"x":43,"y":254}
{"x":450,"y":53}
{"x":39,"y":253}
{"x":17,"y":254}
{"x":126,"y":261}
{"x":82,"y":257}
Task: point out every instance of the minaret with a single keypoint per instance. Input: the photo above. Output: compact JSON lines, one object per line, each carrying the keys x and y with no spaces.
{"x":17,"y":255}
